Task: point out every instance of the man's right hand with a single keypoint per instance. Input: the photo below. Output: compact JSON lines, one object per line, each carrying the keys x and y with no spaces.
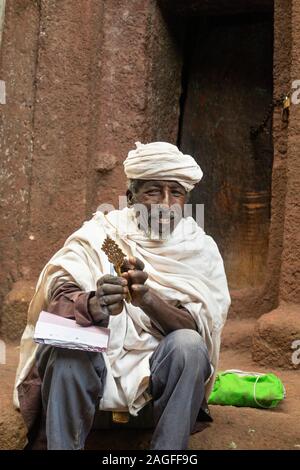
{"x":109,"y":299}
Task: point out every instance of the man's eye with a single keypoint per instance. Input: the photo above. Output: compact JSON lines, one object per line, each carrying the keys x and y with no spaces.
{"x":176,"y":193}
{"x":153,"y":192}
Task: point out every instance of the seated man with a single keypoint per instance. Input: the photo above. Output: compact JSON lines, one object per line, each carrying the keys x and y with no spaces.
{"x":164,"y":343}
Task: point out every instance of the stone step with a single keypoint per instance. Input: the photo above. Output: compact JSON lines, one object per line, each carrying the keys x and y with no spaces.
{"x":276,"y":338}
{"x":237,"y":334}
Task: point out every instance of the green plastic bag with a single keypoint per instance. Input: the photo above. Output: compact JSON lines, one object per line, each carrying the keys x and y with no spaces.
{"x":238,"y":388}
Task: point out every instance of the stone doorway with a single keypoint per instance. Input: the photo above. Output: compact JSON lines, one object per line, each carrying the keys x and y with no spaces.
{"x":227,"y":88}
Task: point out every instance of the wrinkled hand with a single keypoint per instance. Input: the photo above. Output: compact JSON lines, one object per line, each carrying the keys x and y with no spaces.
{"x":110,"y":294}
{"x":134,"y":274}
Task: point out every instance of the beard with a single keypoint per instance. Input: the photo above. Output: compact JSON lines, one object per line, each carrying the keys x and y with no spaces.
{"x":157,"y":222}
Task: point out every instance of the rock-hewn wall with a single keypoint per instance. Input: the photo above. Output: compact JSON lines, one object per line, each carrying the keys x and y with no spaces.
{"x":83,"y":84}
{"x":290,"y":272}
{"x":18,"y":66}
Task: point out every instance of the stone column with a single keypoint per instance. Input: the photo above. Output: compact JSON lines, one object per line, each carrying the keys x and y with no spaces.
{"x":290,"y":269}
{"x":18,"y":59}
{"x":277,"y":334}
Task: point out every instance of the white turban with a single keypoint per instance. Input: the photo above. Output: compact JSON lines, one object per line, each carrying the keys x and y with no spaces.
{"x":162,"y":161}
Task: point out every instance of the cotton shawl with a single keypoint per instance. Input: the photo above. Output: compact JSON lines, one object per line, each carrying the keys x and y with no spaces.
{"x":185,"y":269}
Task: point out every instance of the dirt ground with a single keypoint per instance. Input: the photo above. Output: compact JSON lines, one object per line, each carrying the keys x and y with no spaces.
{"x":233,"y":428}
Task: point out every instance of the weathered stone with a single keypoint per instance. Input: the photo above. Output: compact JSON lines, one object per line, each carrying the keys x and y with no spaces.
{"x":277,"y":337}
{"x":15,"y":309}
{"x":73,"y":104}
{"x":237,"y":334}
{"x":105,"y":162}
{"x":18,"y":63}
{"x":12,"y":430}
{"x":12,"y":426}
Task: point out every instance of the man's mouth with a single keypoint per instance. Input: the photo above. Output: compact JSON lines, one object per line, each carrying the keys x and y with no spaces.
{"x":166,"y":219}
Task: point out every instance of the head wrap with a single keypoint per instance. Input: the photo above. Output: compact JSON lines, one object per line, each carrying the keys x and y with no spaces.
{"x":162,"y":161}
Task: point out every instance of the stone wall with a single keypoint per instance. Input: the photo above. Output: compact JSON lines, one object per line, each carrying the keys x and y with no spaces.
{"x":83,"y":84}
{"x":81,"y":89}
{"x":290,"y":270}
{"x":18,"y":69}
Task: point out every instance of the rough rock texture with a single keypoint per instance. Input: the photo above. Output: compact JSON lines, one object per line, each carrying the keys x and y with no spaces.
{"x":15,"y":309}
{"x":217,"y":132}
{"x":12,"y":430}
{"x":66,"y":42}
{"x":18,"y":60}
{"x":290,"y":270}
{"x":12,"y":427}
{"x":73,"y":112}
{"x":254,"y":302}
{"x":276,"y":338}
{"x":237,"y":334}
{"x":82,"y":86}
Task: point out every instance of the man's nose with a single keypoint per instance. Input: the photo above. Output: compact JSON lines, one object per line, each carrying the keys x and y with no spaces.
{"x":166,"y":197}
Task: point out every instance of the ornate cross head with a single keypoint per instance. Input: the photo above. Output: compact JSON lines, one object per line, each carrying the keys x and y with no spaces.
{"x":114,"y":253}
{"x":115,"y":256}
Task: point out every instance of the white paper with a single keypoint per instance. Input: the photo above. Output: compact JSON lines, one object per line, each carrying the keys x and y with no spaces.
{"x":65,"y":333}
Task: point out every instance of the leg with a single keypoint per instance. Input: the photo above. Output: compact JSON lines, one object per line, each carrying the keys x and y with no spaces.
{"x":72,"y":385}
{"x":179,"y":369}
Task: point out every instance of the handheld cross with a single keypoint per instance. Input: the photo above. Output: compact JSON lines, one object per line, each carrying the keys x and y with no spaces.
{"x":115,"y":256}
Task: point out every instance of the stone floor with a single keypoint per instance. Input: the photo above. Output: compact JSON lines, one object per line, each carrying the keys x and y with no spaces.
{"x":233,"y":428}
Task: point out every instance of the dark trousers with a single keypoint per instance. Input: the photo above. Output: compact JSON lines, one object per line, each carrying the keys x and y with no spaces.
{"x":73,"y":383}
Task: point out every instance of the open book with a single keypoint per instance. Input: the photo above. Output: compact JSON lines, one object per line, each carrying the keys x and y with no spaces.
{"x":64,"y":333}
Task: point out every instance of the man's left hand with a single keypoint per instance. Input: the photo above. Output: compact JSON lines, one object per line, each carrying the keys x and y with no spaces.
{"x":136,"y":277}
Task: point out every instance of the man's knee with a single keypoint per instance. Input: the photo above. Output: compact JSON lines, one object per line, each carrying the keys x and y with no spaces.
{"x":188,"y":347}
{"x":186,"y":340}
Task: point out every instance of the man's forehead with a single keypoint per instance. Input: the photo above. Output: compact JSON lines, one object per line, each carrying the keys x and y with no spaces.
{"x":161,"y":183}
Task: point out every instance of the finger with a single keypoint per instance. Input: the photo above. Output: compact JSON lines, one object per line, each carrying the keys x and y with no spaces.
{"x":139,"y":288}
{"x":115,"y":309}
{"x":111,"y":299}
{"x":132,"y":263}
{"x":138,"y":263}
{"x":126,"y":265}
{"x":125,"y":276}
{"x":111,"y":289}
{"x":98,"y":314}
{"x":108,"y":279}
{"x":137,"y":277}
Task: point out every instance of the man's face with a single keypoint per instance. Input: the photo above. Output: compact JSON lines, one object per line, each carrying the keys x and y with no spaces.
{"x":164,"y":202}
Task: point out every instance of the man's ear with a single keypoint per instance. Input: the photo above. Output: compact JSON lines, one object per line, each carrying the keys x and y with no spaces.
{"x":129,"y":196}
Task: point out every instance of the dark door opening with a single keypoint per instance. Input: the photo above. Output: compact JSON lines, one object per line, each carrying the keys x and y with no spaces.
{"x":227,"y":88}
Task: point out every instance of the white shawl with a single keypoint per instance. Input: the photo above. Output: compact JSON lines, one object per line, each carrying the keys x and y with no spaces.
{"x":185,"y":269}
